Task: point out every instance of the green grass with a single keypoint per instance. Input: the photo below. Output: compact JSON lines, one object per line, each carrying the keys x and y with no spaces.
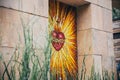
{"x":93,"y":75}
{"x":116,"y":13}
{"x":31,"y":68}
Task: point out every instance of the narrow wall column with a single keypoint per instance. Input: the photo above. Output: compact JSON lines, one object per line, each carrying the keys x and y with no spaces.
{"x":95,"y":38}
{"x":12,"y":12}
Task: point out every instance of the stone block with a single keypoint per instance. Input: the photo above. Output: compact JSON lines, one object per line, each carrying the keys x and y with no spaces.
{"x":38,"y":7}
{"x":92,"y":1}
{"x":94,"y":16}
{"x":107,"y":20}
{"x":97,"y":17}
{"x":6,"y":54}
{"x":74,"y":2}
{"x":87,"y":63}
{"x":93,"y":41}
{"x":108,"y":63}
{"x":9,"y":34}
{"x":84,"y":17}
{"x":14,"y":56}
{"x":8,"y":16}
{"x":105,"y":4}
{"x":100,"y":42}
{"x":40,"y":33}
{"x":11,"y":28}
{"x":84,"y":42}
{"x":110,"y":44}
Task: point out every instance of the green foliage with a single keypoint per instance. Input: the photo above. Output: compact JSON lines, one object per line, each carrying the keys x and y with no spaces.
{"x":39,"y":72}
{"x":29,"y":67}
{"x":0,"y":56}
{"x":93,"y":75}
{"x":116,"y":13}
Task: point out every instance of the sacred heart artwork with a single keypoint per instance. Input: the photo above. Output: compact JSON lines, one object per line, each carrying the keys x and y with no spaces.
{"x":62,"y":29}
{"x":58,"y":40}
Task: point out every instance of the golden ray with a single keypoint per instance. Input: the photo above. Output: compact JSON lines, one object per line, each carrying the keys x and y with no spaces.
{"x":63,"y":61}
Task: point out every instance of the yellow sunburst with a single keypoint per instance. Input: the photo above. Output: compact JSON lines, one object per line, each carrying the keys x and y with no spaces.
{"x":62,"y":28}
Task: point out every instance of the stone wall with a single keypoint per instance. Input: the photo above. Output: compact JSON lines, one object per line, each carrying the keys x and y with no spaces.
{"x":15,"y":13}
{"x":94,"y":29}
{"x":95,"y":35}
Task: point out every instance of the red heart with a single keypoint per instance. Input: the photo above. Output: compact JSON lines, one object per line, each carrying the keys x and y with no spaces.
{"x":58,"y":40}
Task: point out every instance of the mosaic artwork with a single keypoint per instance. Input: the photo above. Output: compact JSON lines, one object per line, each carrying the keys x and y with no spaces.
{"x":62,"y":28}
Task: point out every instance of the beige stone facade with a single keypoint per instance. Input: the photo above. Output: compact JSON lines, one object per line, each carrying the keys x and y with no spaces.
{"x":94,"y":29}
{"x":95,"y":34}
